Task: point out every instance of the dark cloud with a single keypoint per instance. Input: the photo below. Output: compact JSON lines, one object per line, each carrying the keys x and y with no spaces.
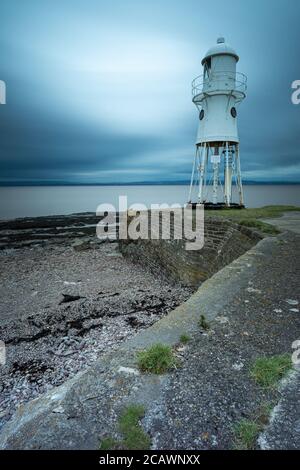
{"x":95,"y":89}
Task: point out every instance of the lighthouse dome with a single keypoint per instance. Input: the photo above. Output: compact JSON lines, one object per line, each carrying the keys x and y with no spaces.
{"x":221,"y":48}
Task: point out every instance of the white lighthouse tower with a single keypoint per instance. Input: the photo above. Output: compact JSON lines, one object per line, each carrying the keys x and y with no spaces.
{"x":217,"y":94}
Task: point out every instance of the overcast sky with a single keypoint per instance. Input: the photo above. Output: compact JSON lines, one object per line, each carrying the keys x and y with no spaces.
{"x":99,"y":91}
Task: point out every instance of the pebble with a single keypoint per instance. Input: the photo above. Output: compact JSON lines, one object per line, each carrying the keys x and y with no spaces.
{"x":292,"y":302}
{"x":49,"y":361}
{"x":238,"y":366}
{"x":128,"y":370}
{"x":58,"y":409}
{"x":255,"y":291}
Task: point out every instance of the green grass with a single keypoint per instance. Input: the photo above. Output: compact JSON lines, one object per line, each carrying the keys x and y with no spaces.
{"x":246,"y":433}
{"x":265,"y":212}
{"x":259,"y":225}
{"x":203,"y":323}
{"x":108,"y":443}
{"x":134,"y":437}
{"x":248,"y":217}
{"x":184,"y":338}
{"x":268,"y":371}
{"x":263,"y":413}
{"x":158,"y":359}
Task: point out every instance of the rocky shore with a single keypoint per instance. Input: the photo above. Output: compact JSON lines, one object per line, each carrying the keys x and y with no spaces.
{"x":66,"y":298}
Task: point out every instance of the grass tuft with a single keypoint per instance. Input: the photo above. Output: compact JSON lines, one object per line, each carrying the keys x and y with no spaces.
{"x":184,"y":338}
{"x":263,"y":413}
{"x":135,"y":437}
{"x":108,"y":443}
{"x":246,"y":431}
{"x":203,"y":323}
{"x":259,"y":225}
{"x":245,"y":434}
{"x":268,"y":371}
{"x":248,"y":217}
{"x":158,"y":359}
{"x":265,"y":212}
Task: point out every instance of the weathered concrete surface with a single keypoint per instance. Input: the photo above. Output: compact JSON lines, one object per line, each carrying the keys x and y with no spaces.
{"x":283,"y":431}
{"x":195,"y":406}
{"x":284,"y":428}
{"x":289,"y":221}
{"x":213,"y":389}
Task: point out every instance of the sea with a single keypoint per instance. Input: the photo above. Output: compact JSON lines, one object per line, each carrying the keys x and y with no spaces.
{"x":33,"y":201}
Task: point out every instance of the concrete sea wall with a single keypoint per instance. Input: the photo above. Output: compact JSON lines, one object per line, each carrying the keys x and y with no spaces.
{"x":224,"y":241}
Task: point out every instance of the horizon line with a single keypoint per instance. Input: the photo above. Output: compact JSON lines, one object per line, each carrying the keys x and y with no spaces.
{"x":134,"y":183}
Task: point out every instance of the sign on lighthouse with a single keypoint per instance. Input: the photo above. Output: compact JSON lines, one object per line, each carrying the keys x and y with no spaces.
{"x":216,"y":174}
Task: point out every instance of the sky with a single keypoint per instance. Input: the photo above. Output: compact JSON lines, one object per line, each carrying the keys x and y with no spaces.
{"x":99,"y":91}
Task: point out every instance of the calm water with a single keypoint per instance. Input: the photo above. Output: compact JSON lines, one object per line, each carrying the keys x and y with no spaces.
{"x":50,"y":200}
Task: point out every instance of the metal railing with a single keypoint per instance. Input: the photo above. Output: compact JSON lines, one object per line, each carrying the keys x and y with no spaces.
{"x":218,"y":82}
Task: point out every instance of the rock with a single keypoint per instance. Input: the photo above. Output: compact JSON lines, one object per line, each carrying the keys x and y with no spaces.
{"x":128,"y":370}
{"x":81,"y":245}
{"x":238,"y":366}
{"x":114,"y":255}
{"x":292,"y":302}
{"x":58,"y":409}
{"x":134,"y":321}
{"x":255,"y":291}
{"x":70,"y":298}
{"x":65,"y":353}
{"x":222,"y":319}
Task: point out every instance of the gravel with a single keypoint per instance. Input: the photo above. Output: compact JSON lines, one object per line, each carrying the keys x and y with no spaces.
{"x":61,"y":309}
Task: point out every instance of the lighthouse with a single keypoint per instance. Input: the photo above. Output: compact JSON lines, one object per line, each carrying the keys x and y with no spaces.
{"x":216,"y":174}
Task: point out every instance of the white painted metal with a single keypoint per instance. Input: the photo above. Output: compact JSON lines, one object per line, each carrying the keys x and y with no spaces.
{"x":217,"y":124}
{"x":221,"y":48}
{"x":227,"y":177}
{"x":2,"y":92}
{"x":202,"y":168}
{"x":239,"y":176}
{"x":216,"y":94}
{"x":192,"y":178}
{"x":215,"y":182}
